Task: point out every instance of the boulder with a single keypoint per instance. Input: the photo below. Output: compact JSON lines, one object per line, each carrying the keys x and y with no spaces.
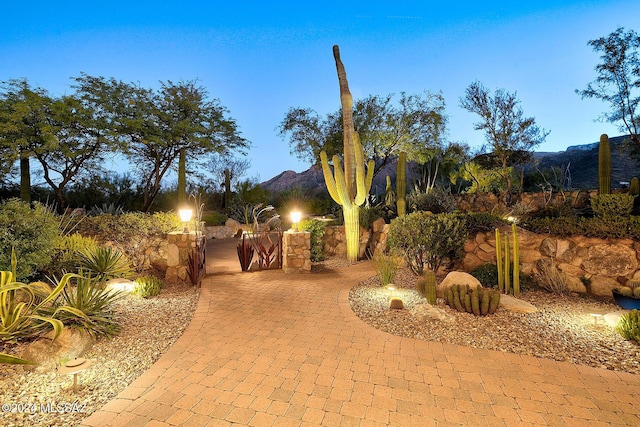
{"x":549,"y":247}
{"x":516,"y":305}
{"x":427,"y":312}
{"x":396,"y":304}
{"x":70,"y":344}
{"x":610,"y":260}
{"x":601,"y":285}
{"x":457,"y":278}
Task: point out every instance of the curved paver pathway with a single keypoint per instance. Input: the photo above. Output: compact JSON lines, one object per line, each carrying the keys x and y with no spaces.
{"x":269,"y":349}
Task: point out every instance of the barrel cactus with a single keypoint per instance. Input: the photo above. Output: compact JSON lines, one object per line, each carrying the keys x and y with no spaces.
{"x":479,"y":301}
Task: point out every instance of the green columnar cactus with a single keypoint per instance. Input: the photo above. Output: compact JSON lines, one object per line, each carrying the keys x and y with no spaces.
{"x":427,"y":286}
{"x":348,"y":187}
{"x":388,"y":193}
{"x":516,"y":261}
{"x":478,"y":301}
{"x":182,"y":178}
{"x":634,"y":186}
{"x":401,"y":183}
{"x":499,"y":261}
{"x":507,"y":265}
{"x":604,"y":165}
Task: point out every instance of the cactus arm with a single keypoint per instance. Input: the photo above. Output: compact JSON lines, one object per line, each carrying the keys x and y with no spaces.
{"x":341,"y":185}
{"x":361,"y":187}
{"x":604,"y":165}
{"x":328,"y":178}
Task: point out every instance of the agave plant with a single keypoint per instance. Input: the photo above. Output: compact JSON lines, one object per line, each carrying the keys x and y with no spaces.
{"x":105,"y":263}
{"x":13,"y":360}
{"x":92,"y":306}
{"x":23,"y":315}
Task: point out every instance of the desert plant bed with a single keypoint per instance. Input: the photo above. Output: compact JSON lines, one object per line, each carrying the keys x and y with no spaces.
{"x":562,"y":329}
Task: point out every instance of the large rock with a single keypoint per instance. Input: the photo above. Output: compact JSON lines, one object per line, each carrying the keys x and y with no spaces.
{"x":516,"y":305}
{"x":70,"y":344}
{"x":610,"y":260}
{"x":457,"y":278}
{"x":601,"y":285}
{"x":426,"y":312}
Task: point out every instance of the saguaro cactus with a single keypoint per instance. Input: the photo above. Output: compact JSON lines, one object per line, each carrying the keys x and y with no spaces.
{"x":348,"y":187}
{"x":401,"y":183}
{"x":604,"y":165}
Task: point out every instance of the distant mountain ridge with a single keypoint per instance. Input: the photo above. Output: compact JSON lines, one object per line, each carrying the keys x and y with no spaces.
{"x":581,"y":159}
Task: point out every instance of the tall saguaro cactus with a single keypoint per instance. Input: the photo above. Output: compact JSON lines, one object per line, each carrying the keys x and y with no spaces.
{"x":401,"y":183}
{"x":348,"y":187}
{"x":604,"y":165}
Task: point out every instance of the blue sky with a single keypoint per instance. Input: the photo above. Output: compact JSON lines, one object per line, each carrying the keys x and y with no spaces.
{"x":260,"y":58}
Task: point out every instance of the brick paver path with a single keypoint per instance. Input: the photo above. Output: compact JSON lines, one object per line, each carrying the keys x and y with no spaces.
{"x":269,"y":349}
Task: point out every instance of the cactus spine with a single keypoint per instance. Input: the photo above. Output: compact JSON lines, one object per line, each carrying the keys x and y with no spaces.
{"x":634,"y":186}
{"x":401,"y":183}
{"x":604,"y":165}
{"x":348,"y":187}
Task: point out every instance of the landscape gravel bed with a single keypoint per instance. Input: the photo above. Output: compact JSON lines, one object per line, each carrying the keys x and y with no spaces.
{"x":149,"y":328}
{"x":562,"y":329}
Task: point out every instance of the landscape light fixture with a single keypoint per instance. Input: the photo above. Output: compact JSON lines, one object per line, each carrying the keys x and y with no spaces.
{"x":390,"y":288}
{"x":74,"y":367}
{"x":185,"y":216}
{"x":295,"y":219}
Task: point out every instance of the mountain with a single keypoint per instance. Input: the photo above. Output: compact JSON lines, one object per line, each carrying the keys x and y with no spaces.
{"x":582,"y":161}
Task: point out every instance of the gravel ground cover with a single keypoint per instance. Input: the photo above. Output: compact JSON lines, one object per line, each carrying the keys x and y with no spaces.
{"x":562,"y":329}
{"x":149,"y":328}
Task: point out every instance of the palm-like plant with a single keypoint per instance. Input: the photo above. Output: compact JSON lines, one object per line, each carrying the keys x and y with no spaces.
{"x":105,"y":263}
{"x":13,"y":360}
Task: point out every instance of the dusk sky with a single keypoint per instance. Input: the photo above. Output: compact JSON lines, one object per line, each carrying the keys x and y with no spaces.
{"x":260,"y":58}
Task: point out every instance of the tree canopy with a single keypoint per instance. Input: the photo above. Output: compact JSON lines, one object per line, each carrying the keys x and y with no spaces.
{"x":618,"y":80}
{"x":415,"y":124}
{"x":509,"y":134}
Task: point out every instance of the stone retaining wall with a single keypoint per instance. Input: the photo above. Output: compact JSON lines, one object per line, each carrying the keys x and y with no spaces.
{"x":603,"y":264}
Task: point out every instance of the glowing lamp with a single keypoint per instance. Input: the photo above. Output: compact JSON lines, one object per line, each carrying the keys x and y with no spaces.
{"x":295,"y":219}
{"x":185,"y":216}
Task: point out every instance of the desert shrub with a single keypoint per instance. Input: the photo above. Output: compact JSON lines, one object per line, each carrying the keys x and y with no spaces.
{"x":122,"y":228}
{"x":214,"y":218}
{"x":92,"y":306}
{"x":31,"y":232}
{"x":550,"y":278}
{"x":612,"y":227}
{"x":629,"y":326}
{"x":435,"y":201}
{"x":386,"y":266}
{"x":482,"y":222}
{"x":147,"y":286}
{"x":487,"y":275}
{"x":429,"y":239}
{"x":67,"y":252}
{"x":369,"y":214}
{"x":609,"y":206}
{"x":317,"y":230}
{"x":105,"y":263}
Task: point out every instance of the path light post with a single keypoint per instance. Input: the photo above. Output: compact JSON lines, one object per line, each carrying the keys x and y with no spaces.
{"x":295,"y":220}
{"x":185,"y":217}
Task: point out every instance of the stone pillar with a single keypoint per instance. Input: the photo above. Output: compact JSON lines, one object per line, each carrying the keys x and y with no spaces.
{"x":178,"y":248}
{"x":296,"y":251}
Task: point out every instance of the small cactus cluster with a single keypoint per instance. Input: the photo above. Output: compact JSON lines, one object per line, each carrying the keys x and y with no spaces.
{"x":504,"y":263}
{"x":479,"y":301}
{"x":426,"y":286}
{"x":632,"y":289}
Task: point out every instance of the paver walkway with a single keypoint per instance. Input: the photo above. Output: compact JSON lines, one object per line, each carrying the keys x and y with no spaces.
{"x":269,"y":349}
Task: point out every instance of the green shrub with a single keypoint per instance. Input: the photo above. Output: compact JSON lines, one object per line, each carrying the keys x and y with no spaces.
{"x":629,"y":326}
{"x":147,"y":286}
{"x":105,"y":263}
{"x":317,"y":229}
{"x":67,"y":252}
{"x":122,"y":228}
{"x":609,"y":206}
{"x":487,"y":275}
{"x":369,"y":214}
{"x":428,"y":239}
{"x":92,"y":306}
{"x":214,"y":218}
{"x":482,"y":222}
{"x":435,"y":201}
{"x":31,"y":232}
{"x":386,"y":266}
